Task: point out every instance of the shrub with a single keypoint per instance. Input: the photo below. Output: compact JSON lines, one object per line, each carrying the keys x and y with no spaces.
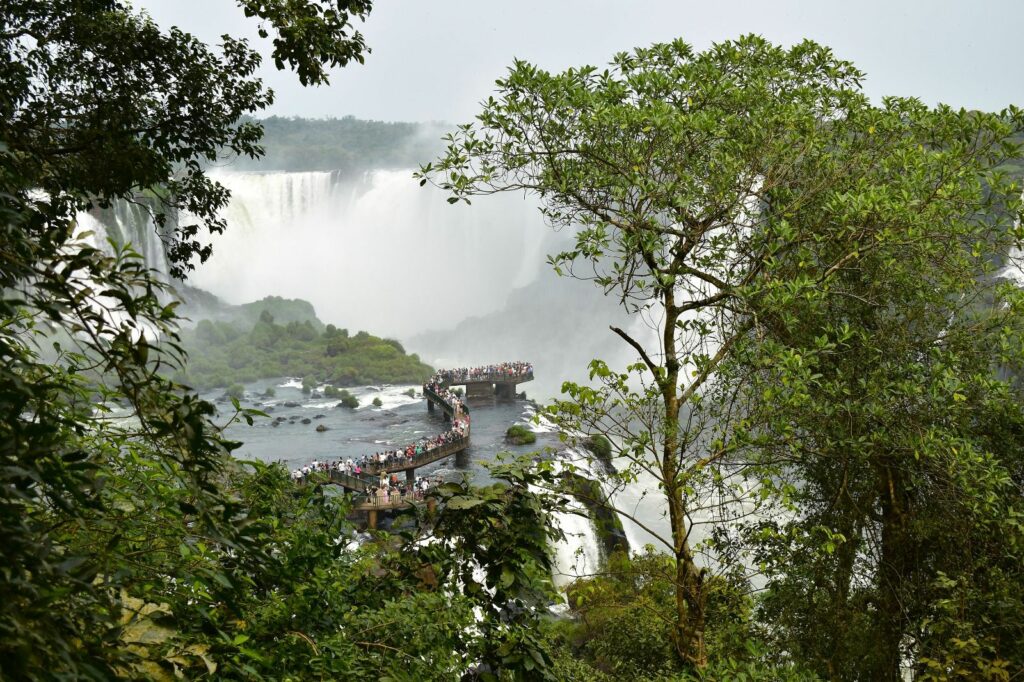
{"x":600,"y":446}
{"x":236,"y":391}
{"x":520,"y":435}
{"x":348,"y":400}
{"x":377,"y":402}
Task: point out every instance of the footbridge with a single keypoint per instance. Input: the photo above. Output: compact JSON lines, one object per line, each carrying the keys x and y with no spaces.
{"x":370,"y":496}
{"x":498,"y":380}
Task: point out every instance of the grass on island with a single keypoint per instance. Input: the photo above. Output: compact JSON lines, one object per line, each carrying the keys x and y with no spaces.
{"x":520,"y":435}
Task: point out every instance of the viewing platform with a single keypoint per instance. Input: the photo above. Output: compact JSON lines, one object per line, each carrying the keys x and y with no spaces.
{"x":493,"y":380}
{"x":372,"y":494}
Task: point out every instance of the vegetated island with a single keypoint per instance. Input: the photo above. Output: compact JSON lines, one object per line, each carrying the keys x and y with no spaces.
{"x":520,"y":435}
{"x":232,"y":350}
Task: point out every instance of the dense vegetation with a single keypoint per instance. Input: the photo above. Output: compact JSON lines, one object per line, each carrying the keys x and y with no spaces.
{"x":346,"y":144}
{"x":832,"y":399}
{"x":225,"y":353}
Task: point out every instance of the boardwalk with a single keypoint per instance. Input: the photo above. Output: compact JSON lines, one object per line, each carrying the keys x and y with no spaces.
{"x":499,"y":380}
{"x":368,"y":496}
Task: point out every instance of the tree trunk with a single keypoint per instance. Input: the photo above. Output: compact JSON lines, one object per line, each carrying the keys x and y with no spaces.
{"x":892,"y":571}
{"x":690,"y":616}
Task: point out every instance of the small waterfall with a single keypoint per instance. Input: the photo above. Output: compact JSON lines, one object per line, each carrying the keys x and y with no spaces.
{"x":129,"y":223}
{"x":580,"y":554}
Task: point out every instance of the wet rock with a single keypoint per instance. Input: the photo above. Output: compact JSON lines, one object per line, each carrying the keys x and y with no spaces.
{"x":307,"y":420}
{"x":291,"y":403}
{"x":319,"y":416}
{"x":320,"y":428}
{"x":280,"y":419}
{"x":315,"y":394}
{"x":270,"y":408}
{"x":275,"y":424}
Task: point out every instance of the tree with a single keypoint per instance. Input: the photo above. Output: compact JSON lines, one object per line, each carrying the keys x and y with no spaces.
{"x":892,"y":400}
{"x":99,"y":104}
{"x":711,"y":193}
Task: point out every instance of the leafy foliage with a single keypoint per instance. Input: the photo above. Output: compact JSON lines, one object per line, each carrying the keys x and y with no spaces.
{"x":831,"y":344}
{"x":518,"y":434}
{"x":623,"y":627}
{"x":221,"y":353}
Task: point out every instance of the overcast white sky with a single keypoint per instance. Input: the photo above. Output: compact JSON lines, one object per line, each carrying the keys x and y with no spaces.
{"x":437,"y":59}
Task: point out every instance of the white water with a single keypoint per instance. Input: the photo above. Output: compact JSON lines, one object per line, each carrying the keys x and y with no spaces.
{"x":376,"y":253}
{"x":579,"y":555}
{"x":127,"y":224}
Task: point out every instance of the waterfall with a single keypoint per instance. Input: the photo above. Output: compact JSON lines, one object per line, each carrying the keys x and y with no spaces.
{"x":375,"y":252}
{"x":129,"y":223}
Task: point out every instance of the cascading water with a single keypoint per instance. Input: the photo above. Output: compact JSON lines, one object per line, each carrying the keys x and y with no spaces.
{"x":375,"y":252}
{"x":128,"y":223}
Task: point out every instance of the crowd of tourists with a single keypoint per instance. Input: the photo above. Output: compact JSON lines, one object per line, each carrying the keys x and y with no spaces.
{"x":392,"y":489}
{"x":386,"y":459}
{"x":446,"y":394}
{"x":389,"y":459}
{"x":502,"y":370}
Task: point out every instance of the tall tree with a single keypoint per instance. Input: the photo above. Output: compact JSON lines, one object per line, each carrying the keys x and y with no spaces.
{"x":892,"y":401}
{"x":711,"y":193}
{"x":97,"y":104}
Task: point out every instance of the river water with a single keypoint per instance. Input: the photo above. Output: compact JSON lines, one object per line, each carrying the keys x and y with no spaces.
{"x":400,"y":420}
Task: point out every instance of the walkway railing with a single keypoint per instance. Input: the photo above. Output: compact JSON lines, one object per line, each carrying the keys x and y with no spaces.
{"x":386,"y":501}
{"x":424,"y":458}
{"x":351,"y":481}
{"x":430,"y":393}
{"x":489,"y":378}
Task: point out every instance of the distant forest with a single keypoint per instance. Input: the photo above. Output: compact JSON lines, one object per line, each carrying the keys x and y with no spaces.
{"x":277,"y":337}
{"x":346,"y":144}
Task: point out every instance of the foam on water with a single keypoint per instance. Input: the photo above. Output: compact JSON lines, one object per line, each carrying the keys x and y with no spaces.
{"x":390,"y":396}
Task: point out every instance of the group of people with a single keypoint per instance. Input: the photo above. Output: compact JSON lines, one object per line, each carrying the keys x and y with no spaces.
{"x":394,"y":490}
{"x":503,"y":370}
{"x":387,"y":459}
{"x":446,"y":394}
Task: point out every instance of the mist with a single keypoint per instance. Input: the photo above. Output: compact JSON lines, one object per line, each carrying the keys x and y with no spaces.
{"x":374,"y":251}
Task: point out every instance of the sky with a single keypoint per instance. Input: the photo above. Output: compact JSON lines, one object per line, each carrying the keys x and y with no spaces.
{"x":436,"y":60}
